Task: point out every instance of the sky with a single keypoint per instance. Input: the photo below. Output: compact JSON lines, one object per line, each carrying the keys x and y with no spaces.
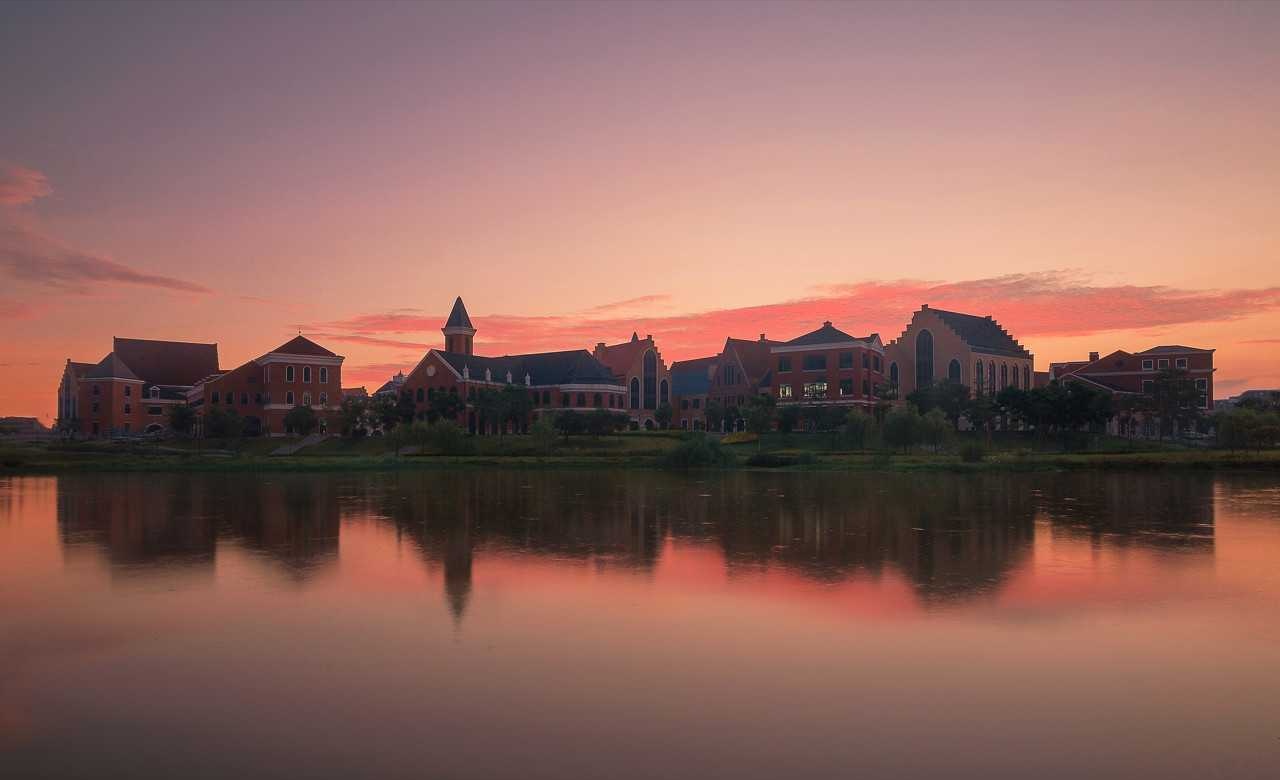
{"x":1094,"y":176}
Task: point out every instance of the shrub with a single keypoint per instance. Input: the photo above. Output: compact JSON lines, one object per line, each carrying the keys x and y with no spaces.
{"x":447,"y":438}
{"x":697,"y":451}
{"x":972,"y":452}
{"x":543,"y":434}
{"x":769,"y":460}
{"x":301,"y":420}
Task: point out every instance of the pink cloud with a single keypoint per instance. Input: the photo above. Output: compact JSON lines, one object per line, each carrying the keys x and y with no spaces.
{"x":374,"y":341}
{"x":629,"y":303}
{"x":29,"y":256}
{"x":20,"y":186}
{"x":1053,"y":303}
{"x":373,"y":372}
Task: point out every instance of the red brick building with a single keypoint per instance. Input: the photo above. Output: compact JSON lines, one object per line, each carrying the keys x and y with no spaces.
{"x":555,"y":381}
{"x":131,"y":390}
{"x":262,"y":391}
{"x":690,"y":390}
{"x":1135,"y":373}
{"x":639,"y":367}
{"x":828,"y":367}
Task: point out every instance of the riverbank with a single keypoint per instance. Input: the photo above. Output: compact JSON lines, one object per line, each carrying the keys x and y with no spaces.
{"x":797,"y":453}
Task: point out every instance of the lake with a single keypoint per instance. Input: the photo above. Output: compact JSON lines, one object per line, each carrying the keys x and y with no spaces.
{"x":631,"y":624}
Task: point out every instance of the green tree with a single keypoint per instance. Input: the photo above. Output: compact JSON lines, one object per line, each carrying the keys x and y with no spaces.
{"x":516,"y":406}
{"x":406,"y":410}
{"x":601,"y":421}
{"x":715,"y":414}
{"x":935,"y":428}
{"x":950,"y":397}
{"x":663,"y":415}
{"x":447,"y":438}
{"x":544,"y":434}
{"x":220,"y":423}
{"x":856,"y":426}
{"x":569,"y":423}
{"x":1176,"y":400}
{"x":788,"y":418}
{"x":181,"y":419}
{"x":301,"y":420}
{"x":384,"y":411}
{"x":981,"y":412}
{"x":352,"y":416}
{"x":760,"y":412}
{"x":443,"y":405}
{"x":902,"y":427}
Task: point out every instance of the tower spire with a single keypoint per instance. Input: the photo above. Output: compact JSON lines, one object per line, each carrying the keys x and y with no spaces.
{"x":458,"y":330}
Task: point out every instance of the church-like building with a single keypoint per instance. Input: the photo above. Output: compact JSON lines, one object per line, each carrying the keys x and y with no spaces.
{"x":963,"y":348}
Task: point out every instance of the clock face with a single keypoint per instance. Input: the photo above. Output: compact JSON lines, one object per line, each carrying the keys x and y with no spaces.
{"x":431,"y":370}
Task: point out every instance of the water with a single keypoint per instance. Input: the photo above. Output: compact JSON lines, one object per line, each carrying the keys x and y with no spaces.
{"x":636,"y":625}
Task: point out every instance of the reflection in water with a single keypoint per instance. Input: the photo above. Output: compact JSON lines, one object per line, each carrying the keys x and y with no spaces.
{"x":951,"y":537}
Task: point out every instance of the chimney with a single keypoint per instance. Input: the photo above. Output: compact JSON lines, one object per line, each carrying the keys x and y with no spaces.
{"x":599,"y":345}
{"x":648,"y":337}
{"x":1093,"y":356}
{"x":762,"y":337}
{"x":826,"y":324}
{"x":924,"y":306}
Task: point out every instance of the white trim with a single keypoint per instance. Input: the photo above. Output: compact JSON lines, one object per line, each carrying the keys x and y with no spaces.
{"x":837,"y":345}
{"x":315,"y":360}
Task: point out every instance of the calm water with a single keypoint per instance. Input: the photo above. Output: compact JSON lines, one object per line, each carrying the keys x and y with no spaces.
{"x":521,"y":624}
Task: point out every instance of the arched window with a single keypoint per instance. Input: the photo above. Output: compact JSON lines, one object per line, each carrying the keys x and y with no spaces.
{"x":155,"y":392}
{"x":663,"y":395}
{"x":924,"y":359}
{"x":650,"y":380}
{"x":953,"y":371}
{"x":1026,"y":378}
{"x":635,"y":393}
{"x":1004,"y":374}
{"x":991,"y":376}
{"x":893,"y":375}
{"x":978,"y":381}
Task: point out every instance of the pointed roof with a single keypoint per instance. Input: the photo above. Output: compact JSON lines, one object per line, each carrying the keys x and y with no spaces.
{"x":543,"y":368}
{"x":301,"y":345}
{"x":458,"y":318}
{"x":692,"y":377}
{"x":111,"y":367}
{"x":753,"y":354}
{"x":824,"y":335}
{"x":621,"y":357}
{"x":1170,"y":349}
{"x":180,"y":363}
{"x":982,"y":334}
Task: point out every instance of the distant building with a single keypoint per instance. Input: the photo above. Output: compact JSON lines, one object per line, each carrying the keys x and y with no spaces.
{"x":690,"y":389}
{"x":828,"y":367}
{"x":262,"y":391}
{"x":22,"y":427}
{"x":391,"y":388}
{"x":741,"y":370}
{"x":964,"y":348}
{"x":568,"y":380}
{"x":639,"y":367}
{"x":131,"y":389}
{"x":355,"y":392}
{"x":1248,"y":396}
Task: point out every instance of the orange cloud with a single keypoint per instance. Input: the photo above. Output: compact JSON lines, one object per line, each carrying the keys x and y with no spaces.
{"x":20,"y":186}
{"x":1052,"y":303}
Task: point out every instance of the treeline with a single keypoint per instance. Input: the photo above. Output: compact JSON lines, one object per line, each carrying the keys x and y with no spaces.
{"x":1254,"y":423}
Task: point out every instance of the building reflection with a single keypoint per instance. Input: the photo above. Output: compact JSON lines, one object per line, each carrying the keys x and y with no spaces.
{"x":952,"y":538}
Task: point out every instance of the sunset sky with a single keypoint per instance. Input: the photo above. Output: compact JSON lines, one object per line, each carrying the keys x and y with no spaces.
{"x":1094,"y":176}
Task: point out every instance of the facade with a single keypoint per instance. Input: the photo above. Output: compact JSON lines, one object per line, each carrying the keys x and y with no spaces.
{"x":1134,"y":373}
{"x":555,"y":381}
{"x":638,"y":366}
{"x":391,"y":387}
{"x":964,"y":348}
{"x":828,"y":367}
{"x":131,"y":390}
{"x":741,"y":370}
{"x":690,"y":390}
{"x":299,"y":372}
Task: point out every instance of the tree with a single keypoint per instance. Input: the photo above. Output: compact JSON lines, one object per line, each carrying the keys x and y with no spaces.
{"x":352,"y":416}
{"x":980,"y":412}
{"x":181,"y":419}
{"x":935,"y":427}
{"x":301,"y":420}
{"x":443,"y":405}
{"x":715,"y":415}
{"x":384,"y":411}
{"x":856,"y":426}
{"x":760,"y":412}
{"x":950,"y":397}
{"x":447,"y":438}
{"x":902,"y":427}
{"x":544,"y":434}
{"x":569,"y":422}
{"x":1247,"y":426}
{"x":788,"y":418}
{"x":406,"y":411}
{"x":220,"y":423}
{"x":516,"y":407}
{"x":1176,"y":400}
{"x":602,"y":421}
{"x":663,"y":415}
{"x":490,"y":408}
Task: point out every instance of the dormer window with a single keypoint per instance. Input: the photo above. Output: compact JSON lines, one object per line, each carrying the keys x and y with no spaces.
{"x":155,"y":392}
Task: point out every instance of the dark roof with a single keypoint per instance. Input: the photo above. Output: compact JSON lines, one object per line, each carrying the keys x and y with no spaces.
{"x":692,"y":377}
{"x":982,"y":334}
{"x":80,"y":369}
{"x":392,"y":385}
{"x":824,"y":335}
{"x":301,"y":345}
{"x":543,"y":368}
{"x":1171,"y":348}
{"x":620,"y":357}
{"x":754,"y":355}
{"x":168,"y":362}
{"x":458,"y":317}
{"x":111,"y":367}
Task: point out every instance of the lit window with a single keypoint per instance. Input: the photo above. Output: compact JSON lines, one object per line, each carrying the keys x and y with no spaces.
{"x":846,"y":387}
{"x":815,"y":389}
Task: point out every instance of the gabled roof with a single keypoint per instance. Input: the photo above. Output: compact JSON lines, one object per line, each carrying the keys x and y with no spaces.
{"x":1171,"y":348}
{"x":620,"y":357}
{"x":168,"y":362}
{"x":79,"y":369}
{"x":111,"y":367}
{"x":575,"y":366}
{"x":692,"y":377}
{"x":392,"y":385}
{"x":824,"y":335}
{"x":301,"y":345}
{"x":982,"y":334}
{"x":753,"y":354}
{"x":458,"y":318}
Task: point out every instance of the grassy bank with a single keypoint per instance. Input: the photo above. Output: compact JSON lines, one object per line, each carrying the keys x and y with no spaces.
{"x":790,"y":452}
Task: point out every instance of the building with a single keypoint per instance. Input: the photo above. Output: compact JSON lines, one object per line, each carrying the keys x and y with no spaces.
{"x":639,"y":367}
{"x":392,"y":387}
{"x":690,"y":390}
{"x":828,"y":367}
{"x":355,"y":393}
{"x":262,"y":391}
{"x":1259,"y":397}
{"x":1135,"y":373}
{"x":22,"y":427}
{"x":965,"y":348}
{"x":131,"y":390}
{"x":741,"y":370}
{"x":555,"y":381}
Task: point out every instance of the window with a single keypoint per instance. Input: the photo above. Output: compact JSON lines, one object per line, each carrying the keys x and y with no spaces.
{"x":582,"y":399}
{"x":1004,"y":374}
{"x":306,"y":373}
{"x":97,"y":390}
{"x":95,"y":408}
{"x":257,"y":398}
{"x":953,"y":371}
{"x":784,"y":391}
{"x":815,"y":362}
{"x":1202,"y":385}
{"x":324,"y":399}
{"x":267,"y":398}
{"x":1147,"y":365}
{"x":126,"y":427}
{"x":893,"y":375}
{"x":866,"y":387}
{"x":128,"y":391}
{"x":730,"y":375}
{"x":784,"y":365}
{"x":846,"y":360}
{"x":306,"y":399}
{"x":684,"y":424}
{"x":288,"y":373}
{"x":846,"y":387}
{"x":155,"y":392}
{"x":216,"y":397}
{"x":1180,"y":363}
{"x":1162,"y":363}
{"x":546,"y":397}
{"x":244,"y":399}
{"x":879,"y":366}
{"x":534,"y":396}
{"x":815,"y":389}
{"x":421,"y":395}
{"x":924,"y":359}
{"x":697,"y":403}
{"x":564,"y":400}
{"x":597,"y":400}
{"x":979,"y":380}
{"x":155,"y":411}
{"x":128,"y":409}
{"x":324,"y":376}
{"x":266,"y":375}
{"x":684,"y":403}
{"x":288,"y":398}
{"x":866,"y":360}
{"x":650,"y":380}
{"x":635,"y":393}
{"x":664,"y":395}
{"x":1026,"y":378}
{"x":1148,"y":386}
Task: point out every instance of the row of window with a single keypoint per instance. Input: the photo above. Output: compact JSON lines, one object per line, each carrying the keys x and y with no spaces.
{"x":128,"y":391}
{"x":1162,"y":364}
{"x":154,"y":411}
{"x":290,"y":373}
{"x":819,"y":362}
{"x":1202,"y":386}
{"x":819,"y":389}
{"x":260,"y":399}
